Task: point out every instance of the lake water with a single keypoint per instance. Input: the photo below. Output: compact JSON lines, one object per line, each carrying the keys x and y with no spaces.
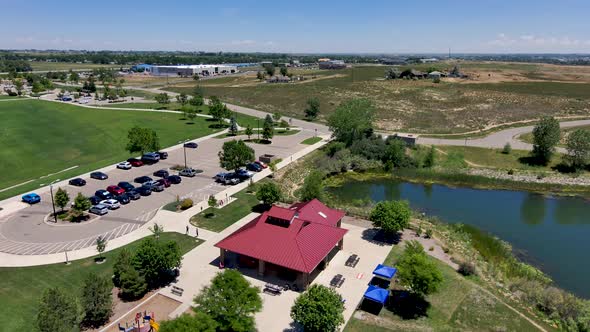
{"x":553,"y":233}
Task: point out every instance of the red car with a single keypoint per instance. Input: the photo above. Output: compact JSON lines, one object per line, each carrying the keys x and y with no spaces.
{"x":261,"y":164}
{"x":116,"y":190}
{"x":135,"y":162}
{"x":164,"y":182}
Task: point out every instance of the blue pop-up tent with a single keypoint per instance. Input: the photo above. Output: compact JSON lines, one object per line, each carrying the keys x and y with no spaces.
{"x":385,"y":271}
{"x":376,"y":294}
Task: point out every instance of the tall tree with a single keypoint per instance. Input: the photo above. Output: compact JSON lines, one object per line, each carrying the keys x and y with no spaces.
{"x":319,"y":309}
{"x":162,"y":98}
{"x":284,"y":71}
{"x":249,"y":132}
{"x":197,"y":101}
{"x":101,"y":245}
{"x":391,"y":216}
{"x":312,"y":186}
{"x":233,"y":126}
{"x":270,"y":69}
{"x":123,"y":262}
{"x":58,"y":312}
{"x":218,"y":110}
{"x":182,"y":99}
{"x":142,"y":140}
{"x":81,"y":204}
{"x":269,"y":193}
{"x":231,"y":301}
{"x":235,"y":154}
{"x":97,"y":302}
{"x":352,"y":120}
{"x":268,"y":130}
{"x":191,"y":114}
{"x":578,"y":148}
{"x":132,"y":285}
{"x":61,"y":198}
{"x":74,"y":77}
{"x":546,"y":135}
{"x":154,"y":260}
{"x":416,"y":270}
{"x":197,"y":322}
{"x":313,"y":108}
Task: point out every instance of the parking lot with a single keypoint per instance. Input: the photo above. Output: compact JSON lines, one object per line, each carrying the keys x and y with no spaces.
{"x":26,"y":233}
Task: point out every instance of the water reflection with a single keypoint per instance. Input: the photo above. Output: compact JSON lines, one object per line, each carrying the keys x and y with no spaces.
{"x":532,"y":209}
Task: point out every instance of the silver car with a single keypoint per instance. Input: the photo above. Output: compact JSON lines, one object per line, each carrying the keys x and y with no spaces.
{"x":99,"y":209}
{"x":112,"y":204}
{"x":154,"y":186}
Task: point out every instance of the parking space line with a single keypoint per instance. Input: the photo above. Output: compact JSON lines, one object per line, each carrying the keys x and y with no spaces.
{"x":33,"y":248}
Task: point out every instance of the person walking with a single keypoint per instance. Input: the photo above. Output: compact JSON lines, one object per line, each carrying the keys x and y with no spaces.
{"x":186,"y":230}
{"x":197,"y":232}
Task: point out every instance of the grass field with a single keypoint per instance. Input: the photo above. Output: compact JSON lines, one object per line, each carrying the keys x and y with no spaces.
{"x":227,"y":215}
{"x":311,"y":140}
{"x":453,"y":106}
{"x":48,"y":66}
{"x":21,"y":288}
{"x":458,"y":305}
{"x":40,"y":138}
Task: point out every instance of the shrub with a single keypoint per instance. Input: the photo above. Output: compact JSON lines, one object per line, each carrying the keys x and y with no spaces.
{"x":428,"y":233}
{"x":186,"y":203}
{"x":466,"y":268}
{"x":507,"y":149}
{"x":511,"y":172}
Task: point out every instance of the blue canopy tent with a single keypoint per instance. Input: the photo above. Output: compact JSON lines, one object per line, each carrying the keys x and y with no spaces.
{"x":386,"y":272}
{"x":376,"y":294}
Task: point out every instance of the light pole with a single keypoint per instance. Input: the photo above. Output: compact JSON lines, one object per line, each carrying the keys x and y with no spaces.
{"x":184,"y":150}
{"x":52,"y":201}
{"x":258,"y":129}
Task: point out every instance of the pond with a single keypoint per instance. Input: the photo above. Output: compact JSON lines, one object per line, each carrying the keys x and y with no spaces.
{"x":551,"y":233}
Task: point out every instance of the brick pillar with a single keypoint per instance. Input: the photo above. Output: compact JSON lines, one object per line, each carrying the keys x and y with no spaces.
{"x":222,"y":255}
{"x":260,"y":268}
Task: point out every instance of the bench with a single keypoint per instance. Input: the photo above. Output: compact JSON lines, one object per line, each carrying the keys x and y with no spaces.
{"x":177,"y":291}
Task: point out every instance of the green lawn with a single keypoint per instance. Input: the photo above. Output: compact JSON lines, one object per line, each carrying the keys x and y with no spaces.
{"x":47,"y":66}
{"x":311,"y":140}
{"x":255,"y":133}
{"x":226,"y":216}
{"x":21,"y":288}
{"x":458,"y":305}
{"x":9,"y":97}
{"x":40,"y":138}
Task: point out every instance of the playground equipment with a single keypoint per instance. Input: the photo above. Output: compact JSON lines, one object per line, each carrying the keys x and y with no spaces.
{"x":143,"y":323}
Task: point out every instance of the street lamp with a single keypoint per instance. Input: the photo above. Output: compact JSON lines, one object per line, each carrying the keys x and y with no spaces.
{"x":52,"y":201}
{"x":258,"y":129}
{"x":184,"y":150}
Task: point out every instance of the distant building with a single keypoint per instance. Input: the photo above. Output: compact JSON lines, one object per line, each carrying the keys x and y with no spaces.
{"x":190,"y":70}
{"x":412,"y":73}
{"x":279,"y":79}
{"x":332,"y":64}
{"x":436,"y":74}
{"x":429,"y":60}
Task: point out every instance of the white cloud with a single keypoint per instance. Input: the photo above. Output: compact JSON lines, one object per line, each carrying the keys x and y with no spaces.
{"x":531,"y":42}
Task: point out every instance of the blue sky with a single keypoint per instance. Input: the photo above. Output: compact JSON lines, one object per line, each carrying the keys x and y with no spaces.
{"x":490,"y":26}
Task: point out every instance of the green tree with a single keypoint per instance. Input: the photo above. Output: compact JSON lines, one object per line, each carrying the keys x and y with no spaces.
{"x":154,"y":260}
{"x":270,"y":69}
{"x":233,"y":126}
{"x":162,"y":98}
{"x":197,"y":101}
{"x":101,"y":245}
{"x":198,"y":322}
{"x":268,"y":128}
{"x":260,"y":75}
{"x":97,"y":302}
{"x":249,"y":131}
{"x":61,"y":198}
{"x":192,"y":114}
{"x":430,"y":158}
{"x":132,"y":284}
{"x":391,"y":216}
{"x":231,"y":301}
{"x":269,"y":193}
{"x":58,"y":312}
{"x":395,"y":153}
{"x":276,"y":116}
{"x":81,"y":203}
{"x":196,"y":77}
{"x":19,"y":85}
{"x":319,"y":309}
{"x":418,"y":271}
{"x":578,"y":148}
{"x":312,"y":186}
{"x":157,"y":230}
{"x":212,"y":201}
{"x":546,"y":135}
{"x":352,"y":120}
{"x":182,"y":99}
{"x":313,"y":108}
{"x":218,"y":110}
{"x":142,"y":140}
{"x":74,"y":77}
{"x":235,"y":154}
{"x":284,"y":71}
{"x":123,"y":262}
{"x":507,"y":149}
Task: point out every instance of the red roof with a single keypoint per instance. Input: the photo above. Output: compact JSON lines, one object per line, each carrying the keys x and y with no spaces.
{"x":298,"y":244}
{"x":316,"y":211}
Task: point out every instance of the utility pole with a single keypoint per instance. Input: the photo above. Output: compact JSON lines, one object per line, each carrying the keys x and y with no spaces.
{"x":258,"y":129}
{"x":52,"y":200}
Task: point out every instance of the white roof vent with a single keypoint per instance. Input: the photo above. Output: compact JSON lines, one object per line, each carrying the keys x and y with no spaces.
{"x":323,"y":215}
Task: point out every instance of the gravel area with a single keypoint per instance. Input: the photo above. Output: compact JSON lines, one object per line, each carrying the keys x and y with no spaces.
{"x":532,"y":178}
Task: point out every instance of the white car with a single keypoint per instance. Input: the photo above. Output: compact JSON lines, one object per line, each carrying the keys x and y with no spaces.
{"x":112,"y":204}
{"x":124,"y":165}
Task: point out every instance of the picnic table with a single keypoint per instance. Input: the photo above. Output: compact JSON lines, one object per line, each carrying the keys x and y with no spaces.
{"x":273,"y":289}
{"x":353,"y":260}
{"x":337,"y":281}
{"x":177,"y":290}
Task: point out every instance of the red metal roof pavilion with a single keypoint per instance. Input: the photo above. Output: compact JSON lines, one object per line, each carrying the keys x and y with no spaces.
{"x":297,"y":238}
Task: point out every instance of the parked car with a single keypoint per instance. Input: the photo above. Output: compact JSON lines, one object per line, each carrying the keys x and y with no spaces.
{"x":144,"y":191}
{"x":174,"y":179}
{"x":154,"y":186}
{"x":163,"y":155}
{"x":133,"y":194}
{"x":78,"y":182}
{"x":162,"y":173}
{"x":94,"y":200}
{"x":124,"y":165}
{"x":191,"y":145}
{"x":261,"y":164}
{"x":126,"y":186}
{"x":244,"y":174}
{"x":116,"y":190}
{"x":188,"y":172}
{"x":99,"y":176}
{"x":135,"y":162}
{"x":254,"y":167}
{"x":165,"y":182}
{"x":31,"y":198}
{"x":142,"y":179}
{"x":227,"y":178}
{"x":99,"y":209}
{"x":123,"y":199}
{"x":150,"y":158}
{"x":111,"y":203}
{"x":103,"y":194}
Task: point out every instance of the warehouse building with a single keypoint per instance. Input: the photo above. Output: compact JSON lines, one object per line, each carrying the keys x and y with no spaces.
{"x":190,"y":70}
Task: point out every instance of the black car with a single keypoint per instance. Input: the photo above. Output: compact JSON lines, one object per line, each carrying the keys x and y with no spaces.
{"x":94,"y":200}
{"x":254,"y":167}
{"x":99,"y":175}
{"x":144,"y":191}
{"x":133,"y":195}
{"x":161,"y":173}
{"x":126,"y":186}
{"x":78,"y":182}
{"x":142,"y":179}
{"x":103,"y":194}
{"x":123,"y":199}
{"x":191,"y":145}
{"x":163,"y":155}
{"x":175,"y":179}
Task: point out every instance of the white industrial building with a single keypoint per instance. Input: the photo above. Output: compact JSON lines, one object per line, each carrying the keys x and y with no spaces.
{"x":190,"y":70}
